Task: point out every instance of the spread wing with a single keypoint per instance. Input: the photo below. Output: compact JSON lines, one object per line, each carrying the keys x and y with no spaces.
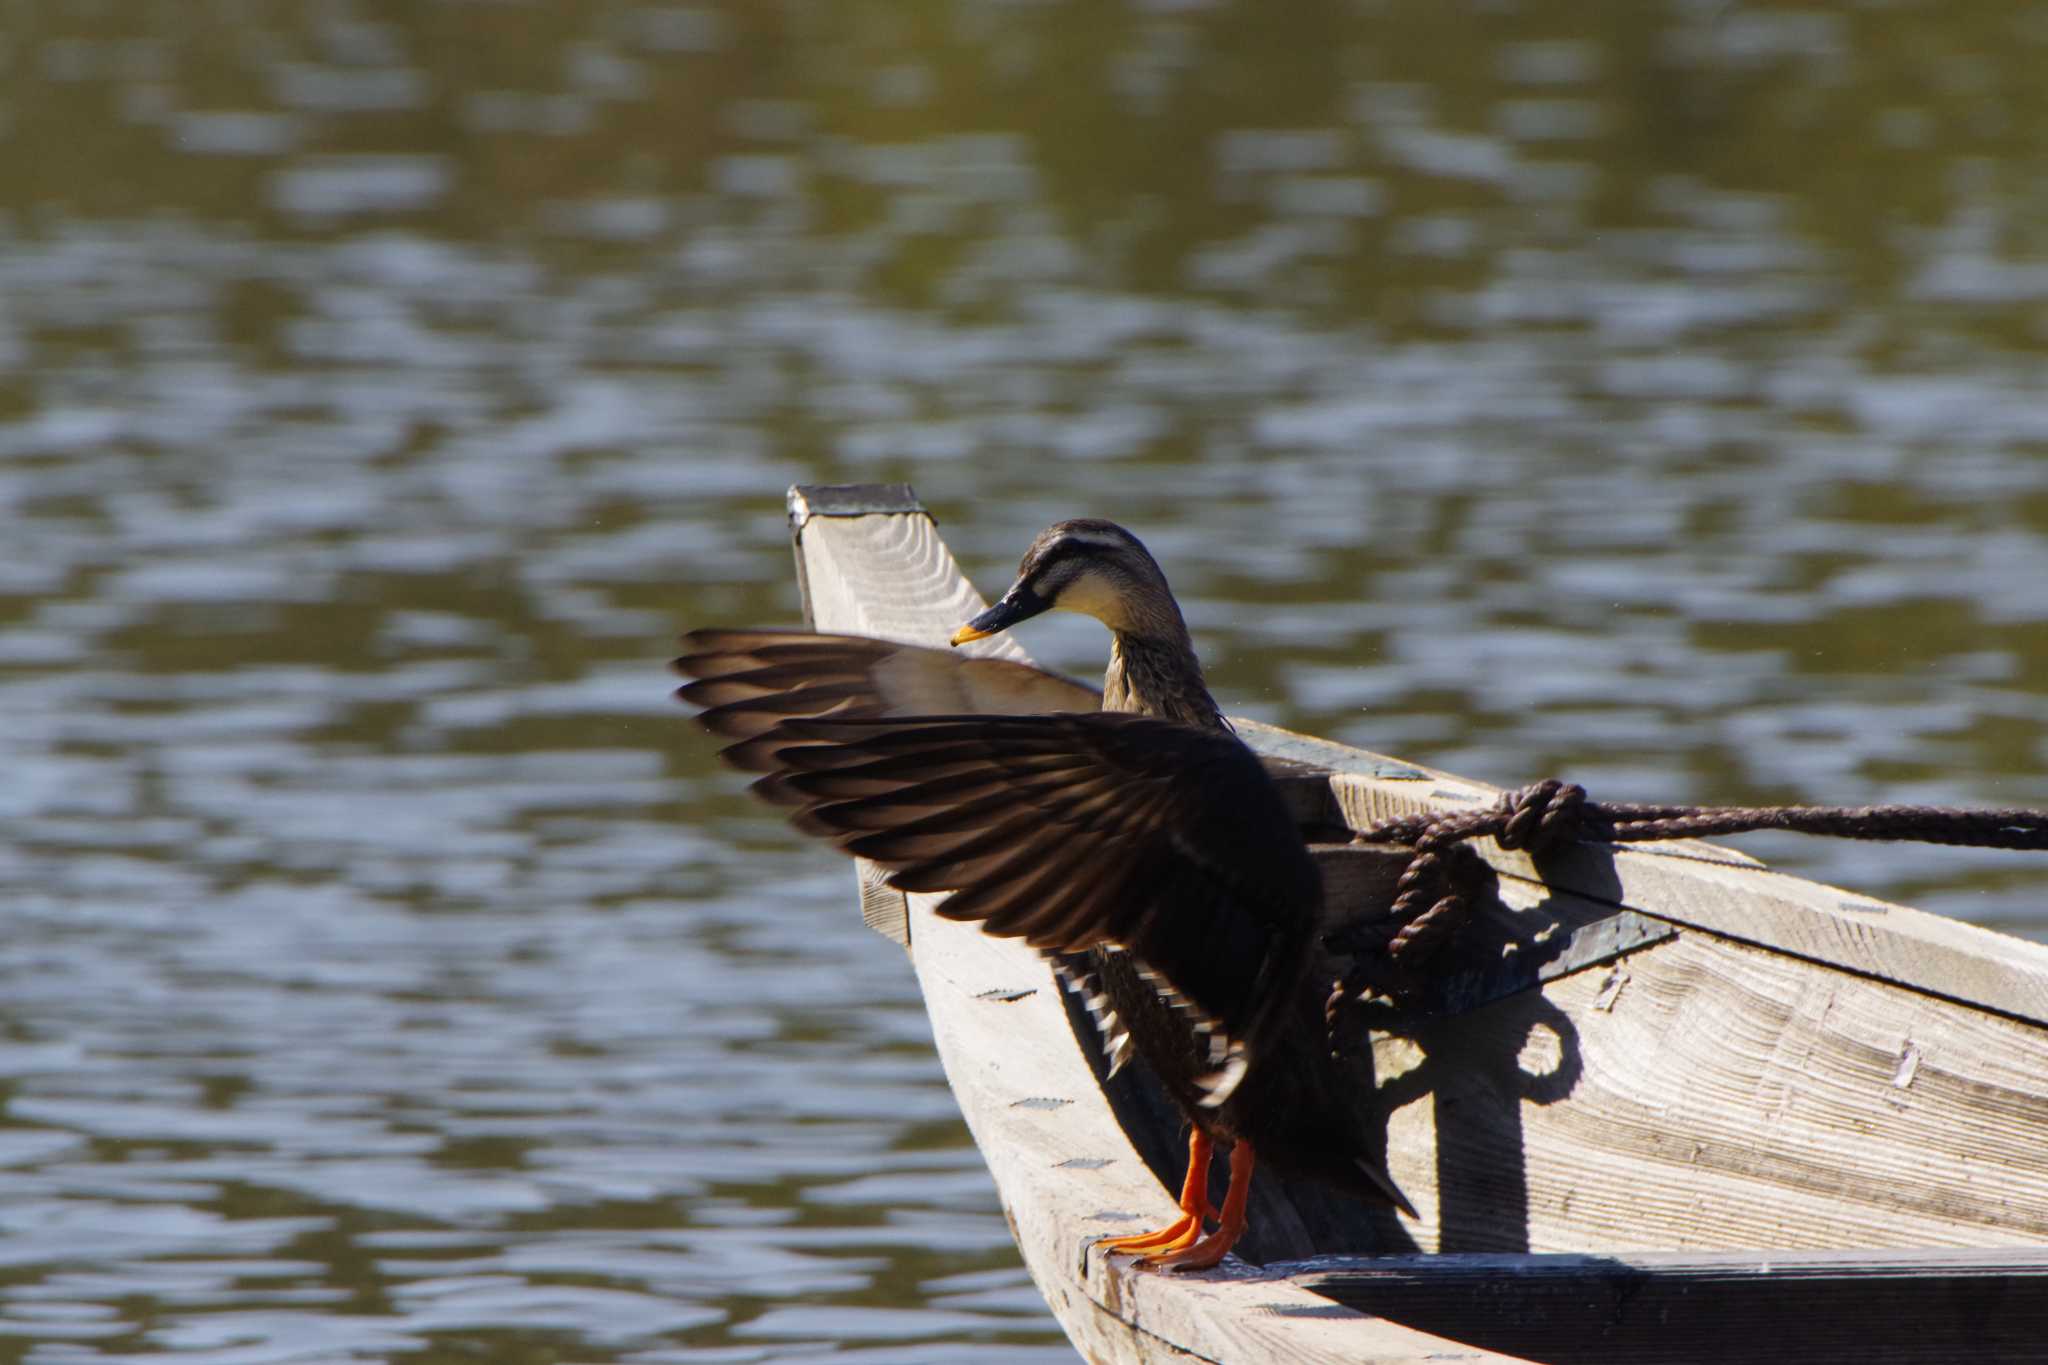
{"x":748,"y":680}
{"x":1070,"y":830}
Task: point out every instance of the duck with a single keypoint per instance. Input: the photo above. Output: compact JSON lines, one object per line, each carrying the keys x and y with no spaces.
{"x":1135,"y":841}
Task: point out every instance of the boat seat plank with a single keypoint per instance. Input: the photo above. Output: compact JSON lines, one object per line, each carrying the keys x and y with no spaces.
{"x":1648,"y":1309}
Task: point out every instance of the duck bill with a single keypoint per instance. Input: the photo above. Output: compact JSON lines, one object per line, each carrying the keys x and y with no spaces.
{"x":1018,"y":604}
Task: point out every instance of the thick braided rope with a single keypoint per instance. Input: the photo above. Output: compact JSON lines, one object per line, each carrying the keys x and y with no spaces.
{"x":1434,"y":895}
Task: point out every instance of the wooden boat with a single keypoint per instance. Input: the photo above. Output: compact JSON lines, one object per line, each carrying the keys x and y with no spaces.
{"x":1672,"y":1106}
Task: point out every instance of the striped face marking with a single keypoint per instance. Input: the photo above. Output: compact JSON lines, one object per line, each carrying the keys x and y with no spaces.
{"x":1083,"y":565}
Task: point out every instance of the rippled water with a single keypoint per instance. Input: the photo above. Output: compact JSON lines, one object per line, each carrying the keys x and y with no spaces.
{"x":1653,"y":396}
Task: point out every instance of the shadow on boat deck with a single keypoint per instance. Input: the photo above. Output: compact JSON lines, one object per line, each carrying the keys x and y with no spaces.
{"x":1474,"y":1076}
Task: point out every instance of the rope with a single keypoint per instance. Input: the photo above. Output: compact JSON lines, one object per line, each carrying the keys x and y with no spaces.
{"x":1445,"y":877}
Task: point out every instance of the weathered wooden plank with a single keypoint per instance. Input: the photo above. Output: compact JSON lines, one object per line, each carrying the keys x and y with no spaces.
{"x":1927,"y":1307}
{"x":1705,"y":1094}
{"x":885,"y":575}
{"x":1711,"y":887}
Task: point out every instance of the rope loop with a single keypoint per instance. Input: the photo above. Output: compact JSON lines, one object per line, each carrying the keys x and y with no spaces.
{"x":1445,"y":876}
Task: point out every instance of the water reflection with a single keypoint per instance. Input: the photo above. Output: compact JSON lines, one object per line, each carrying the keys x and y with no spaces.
{"x":1648,"y":396}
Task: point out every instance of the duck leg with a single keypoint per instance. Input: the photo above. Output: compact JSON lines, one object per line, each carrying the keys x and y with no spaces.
{"x":1229,"y":1224}
{"x":1194,"y":1207}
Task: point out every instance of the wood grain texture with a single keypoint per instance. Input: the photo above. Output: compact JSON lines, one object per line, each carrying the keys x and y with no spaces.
{"x":1705,"y":1094}
{"x":883,"y":908}
{"x":892,"y":578}
{"x":1711,"y":887}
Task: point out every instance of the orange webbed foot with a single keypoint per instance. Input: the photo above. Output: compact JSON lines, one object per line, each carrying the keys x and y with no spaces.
{"x":1194,"y":1254}
{"x":1186,"y":1230}
{"x":1181,"y":1232}
{"x":1206,"y":1252}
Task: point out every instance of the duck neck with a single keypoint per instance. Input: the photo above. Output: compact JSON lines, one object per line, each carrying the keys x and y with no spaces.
{"x":1159,"y":677}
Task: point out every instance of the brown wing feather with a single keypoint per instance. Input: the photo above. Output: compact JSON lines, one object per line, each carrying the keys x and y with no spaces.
{"x":1069,"y":829}
{"x":732,"y":667}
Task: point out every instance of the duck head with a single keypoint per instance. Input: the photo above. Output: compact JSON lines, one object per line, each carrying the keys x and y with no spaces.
{"x":1093,"y":567}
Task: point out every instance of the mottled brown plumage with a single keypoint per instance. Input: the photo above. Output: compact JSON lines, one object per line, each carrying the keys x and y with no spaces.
{"x":1142,"y":845}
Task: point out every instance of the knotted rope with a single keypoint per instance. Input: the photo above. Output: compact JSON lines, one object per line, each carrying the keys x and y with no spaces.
{"x":1445,"y":877}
